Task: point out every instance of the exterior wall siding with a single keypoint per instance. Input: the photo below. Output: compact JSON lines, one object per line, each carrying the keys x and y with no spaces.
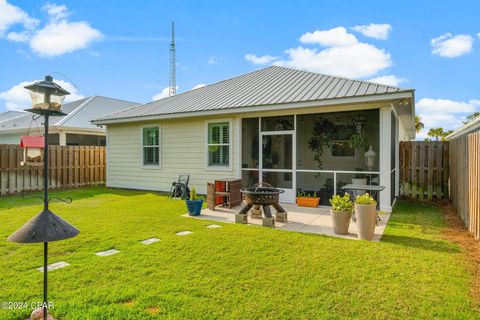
{"x":182,"y":151}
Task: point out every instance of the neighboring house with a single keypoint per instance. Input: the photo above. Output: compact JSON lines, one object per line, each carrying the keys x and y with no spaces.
{"x":470,"y":127}
{"x":73,"y":129}
{"x":274,"y":125}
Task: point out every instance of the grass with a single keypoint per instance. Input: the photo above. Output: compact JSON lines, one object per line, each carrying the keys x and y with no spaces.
{"x":234,"y":272}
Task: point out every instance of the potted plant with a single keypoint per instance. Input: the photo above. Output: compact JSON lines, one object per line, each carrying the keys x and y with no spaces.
{"x":305,"y":200}
{"x":366,"y":216}
{"x":194,"y":204}
{"x":341,"y":213}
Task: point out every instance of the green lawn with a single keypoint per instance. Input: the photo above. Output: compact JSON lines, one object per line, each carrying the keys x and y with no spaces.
{"x":234,"y":272}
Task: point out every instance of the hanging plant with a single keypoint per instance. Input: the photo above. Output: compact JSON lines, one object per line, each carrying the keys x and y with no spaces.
{"x":321,"y":136}
{"x":358,"y":140}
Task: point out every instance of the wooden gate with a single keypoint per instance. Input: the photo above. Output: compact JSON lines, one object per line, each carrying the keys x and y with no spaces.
{"x":424,"y":169}
{"x":69,"y":167}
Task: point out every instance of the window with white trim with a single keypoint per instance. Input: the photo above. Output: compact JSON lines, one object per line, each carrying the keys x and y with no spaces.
{"x":151,"y":146}
{"x":218,"y":144}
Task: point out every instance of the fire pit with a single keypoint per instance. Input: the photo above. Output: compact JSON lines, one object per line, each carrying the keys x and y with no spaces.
{"x":264,"y":195}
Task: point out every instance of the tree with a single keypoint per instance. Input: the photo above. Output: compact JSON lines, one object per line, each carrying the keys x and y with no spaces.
{"x":471,"y":117}
{"x":438,"y":134}
{"x":418,"y":123}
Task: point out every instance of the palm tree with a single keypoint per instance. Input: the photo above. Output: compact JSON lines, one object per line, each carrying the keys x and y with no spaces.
{"x":435,"y":133}
{"x":418,"y":123}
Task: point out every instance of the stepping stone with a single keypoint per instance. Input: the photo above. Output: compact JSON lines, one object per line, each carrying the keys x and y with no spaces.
{"x":183,"y":233}
{"x":150,"y":241}
{"x":54,"y":266}
{"x":107,"y":252}
{"x":213,"y":226}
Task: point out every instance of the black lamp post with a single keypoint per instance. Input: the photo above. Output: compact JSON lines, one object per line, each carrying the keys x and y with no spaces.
{"x":47,"y":98}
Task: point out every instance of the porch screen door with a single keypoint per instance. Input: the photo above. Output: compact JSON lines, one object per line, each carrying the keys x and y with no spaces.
{"x":277,"y":163}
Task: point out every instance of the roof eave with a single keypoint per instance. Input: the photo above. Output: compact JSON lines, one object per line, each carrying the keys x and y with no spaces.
{"x":258,"y":108}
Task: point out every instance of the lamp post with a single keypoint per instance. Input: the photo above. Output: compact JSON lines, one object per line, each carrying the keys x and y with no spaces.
{"x":370,"y":160}
{"x":47,"y":98}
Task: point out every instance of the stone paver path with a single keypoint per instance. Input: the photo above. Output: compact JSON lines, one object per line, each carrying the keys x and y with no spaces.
{"x":107,"y":252}
{"x":213,"y":226}
{"x":184,"y":233}
{"x":150,"y":241}
{"x":54,"y":266}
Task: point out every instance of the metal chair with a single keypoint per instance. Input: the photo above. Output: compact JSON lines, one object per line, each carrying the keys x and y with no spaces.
{"x":180,"y":188}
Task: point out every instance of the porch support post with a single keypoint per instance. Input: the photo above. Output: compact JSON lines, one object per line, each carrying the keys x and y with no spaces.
{"x":385,"y":158}
{"x":62,"y":138}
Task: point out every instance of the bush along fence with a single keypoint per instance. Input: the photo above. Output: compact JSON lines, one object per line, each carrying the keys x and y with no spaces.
{"x":69,"y":167}
{"x":465,"y":180}
{"x":424,"y":169}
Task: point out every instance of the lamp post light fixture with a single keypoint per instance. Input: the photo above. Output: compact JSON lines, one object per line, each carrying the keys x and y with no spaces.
{"x":47,"y":98}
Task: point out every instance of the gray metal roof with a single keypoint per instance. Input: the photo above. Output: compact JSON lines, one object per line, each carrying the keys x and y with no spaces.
{"x":79,"y":114}
{"x":6,"y":115}
{"x":269,"y":86}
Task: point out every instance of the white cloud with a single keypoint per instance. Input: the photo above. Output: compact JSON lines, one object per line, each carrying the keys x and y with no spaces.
{"x":388,"y":80}
{"x":450,"y":46}
{"x":58,"y":38}
{"x":56,"y":12}
{"x":374,"y":30}
{"x":162,"y":94}
{"x":344,"y":55}
{"x":17,"y":97}
{"x":261,"y":60}
{"x":11,"y":15}
{"x":355,"y":61}
{"x":18,"y":36}
{"x":329,"y":38}
{"x":213,"y":60}
{"x":445,"y":113}
{"x":200,"y":85}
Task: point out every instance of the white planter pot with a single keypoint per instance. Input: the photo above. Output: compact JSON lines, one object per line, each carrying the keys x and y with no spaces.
{"x":341,"y":221}
{"x":366,"y":216}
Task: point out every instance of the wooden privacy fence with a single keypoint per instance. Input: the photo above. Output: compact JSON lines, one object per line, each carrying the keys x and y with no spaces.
{"x":465,"y":180}
{"x":69,"y":166}
{"x":424,"y":169}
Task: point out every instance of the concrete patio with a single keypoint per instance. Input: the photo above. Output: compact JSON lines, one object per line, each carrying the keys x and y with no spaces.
{"x":300,"y":219}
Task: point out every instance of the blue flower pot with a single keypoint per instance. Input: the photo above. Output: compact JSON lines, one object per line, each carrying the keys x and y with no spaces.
{"x":194,"y":207}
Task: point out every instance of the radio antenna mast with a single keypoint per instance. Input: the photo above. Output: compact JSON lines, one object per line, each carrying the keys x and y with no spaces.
{"x":173,"y":77}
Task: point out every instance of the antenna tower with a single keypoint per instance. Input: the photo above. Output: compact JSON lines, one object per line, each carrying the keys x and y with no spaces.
{"x":173,"y":78}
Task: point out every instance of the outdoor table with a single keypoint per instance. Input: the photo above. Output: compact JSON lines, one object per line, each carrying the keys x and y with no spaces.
{"x":353,"y":190}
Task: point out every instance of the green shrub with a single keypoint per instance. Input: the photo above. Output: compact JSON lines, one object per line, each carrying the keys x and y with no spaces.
{"x":365,"y":199}
{"x":193,"y":194}
{"x":341,"y":203}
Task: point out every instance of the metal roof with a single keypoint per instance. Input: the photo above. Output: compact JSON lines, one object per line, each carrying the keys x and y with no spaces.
{"x":269,"y":86}
{"x":79,"y":114}
{"x":470,"y":127}
{"x":10,"y":114}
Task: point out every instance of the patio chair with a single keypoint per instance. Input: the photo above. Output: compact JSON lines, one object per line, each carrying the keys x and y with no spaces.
{"x":180,"y":188}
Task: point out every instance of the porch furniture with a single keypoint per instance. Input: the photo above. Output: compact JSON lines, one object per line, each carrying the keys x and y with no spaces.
{"x":224,"y":192}
{"x":179,"y":189}
{"x":353,"y":189}
{"x":264,"y":195}
{"x":373,"y":190}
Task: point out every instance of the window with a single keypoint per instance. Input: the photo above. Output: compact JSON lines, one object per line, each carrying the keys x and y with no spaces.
{"x":219,"y":144}
{"x":151,"y":146}
{"x":340,"y":141}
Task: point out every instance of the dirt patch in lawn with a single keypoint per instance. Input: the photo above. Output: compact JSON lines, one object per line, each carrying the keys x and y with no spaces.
{"x":153,"y":310}
{"x":457,"y":233}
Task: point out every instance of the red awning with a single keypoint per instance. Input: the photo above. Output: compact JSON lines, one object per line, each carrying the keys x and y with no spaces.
{"x":32,"y":142}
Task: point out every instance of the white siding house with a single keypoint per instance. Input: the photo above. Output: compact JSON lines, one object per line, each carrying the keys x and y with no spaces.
{"x":263,"y":127}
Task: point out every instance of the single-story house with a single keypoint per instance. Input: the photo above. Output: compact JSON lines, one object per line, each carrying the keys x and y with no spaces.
{"x":73,"y":129}
{"x":296,"y":130}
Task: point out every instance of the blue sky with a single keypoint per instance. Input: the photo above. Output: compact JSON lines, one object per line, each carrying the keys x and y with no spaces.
{"x":121,"y":48}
